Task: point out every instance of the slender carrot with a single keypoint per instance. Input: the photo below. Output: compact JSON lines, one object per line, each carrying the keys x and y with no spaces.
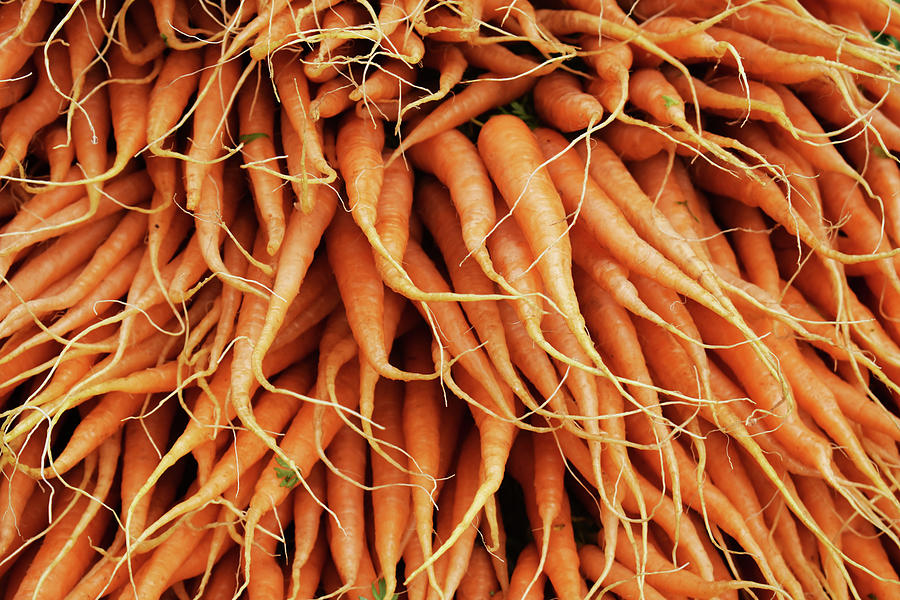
{"x":40,"y":108}
{"x":487,"y":92}
{"x":302,"y":236}
{"x":256,"y":113}
{"x":210,"y":126}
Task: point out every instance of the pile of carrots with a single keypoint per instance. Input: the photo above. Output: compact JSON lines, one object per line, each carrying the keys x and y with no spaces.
{"x":427,"y":299}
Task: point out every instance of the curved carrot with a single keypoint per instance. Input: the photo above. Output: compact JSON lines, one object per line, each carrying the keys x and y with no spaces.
{"x":485,"y":93}
{"x":560,"y":101}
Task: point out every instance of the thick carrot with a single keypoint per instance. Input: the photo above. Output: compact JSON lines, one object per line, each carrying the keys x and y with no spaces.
{"x":58,"y":151}
{"x":479,"y":581}
{"x":560,"y":101}
{"x":536,"y":206}
{"x":130,"y":88}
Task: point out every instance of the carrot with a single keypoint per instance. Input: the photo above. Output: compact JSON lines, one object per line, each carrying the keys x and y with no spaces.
{"x":730,"y":97}
{"x":176,"y":81}
{"x":874,"y":575}
{"x":138,"y":26}
{"x":620,"y":579}
{"x":156,"y":573}
{"x":307,"y":516}
{"x":450,"y":62}
{"x":324,"y":62}
{"x":143,"y":441}
{"x":881,"y":174}
{"x":668,"y":578}
{"x":678,"y":37}
{"x":256,"y":108}
{"x":390,"y":482}
{"x":62,"y":256}
{"x":479,"y":580}
{"x":585,"y":199}
{"x":440,"y":218}
{"x":23,"y":26}
{"x":293,"y":92}
{"x":537,"y":207}
{"x":129,"y":190}
{"x":268,"y":578}
{"x":344,"y":481}
{"x":310,"y":573}
{"x":302,"y":442}
{"x":496,"y":439}
{"x":127,"y":234}
{"x":216,"y":89}
{"x":17,"y":489}
{"x":621,"y":343}
{"x":423,"y":408}
{"x":302,"y":236}
{"x":40,"y":108}
{"x":611,"y":60}
{"x":549,"y":472}
{"x":485,"y":93}
{"x":66,"y":554}
{"x":15,"y":88}
{"x":527,"y":580}
{"x":665,"y":513}
{"x":58,"y":151}
{"x":459,"y":556}
{"x":560,"y":101}
{"x":391,"y":80}
{"x":501,"y":61}
{"x":209,"y":413}
{"x":362,"y":291}
{"x":453,"y":330}
{"x":332,"y":98}
{"x":561,"y":563}
{"x":454,"y":160}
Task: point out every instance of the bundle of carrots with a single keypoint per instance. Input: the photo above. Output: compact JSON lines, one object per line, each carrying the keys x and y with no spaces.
{"x":437,"y":299}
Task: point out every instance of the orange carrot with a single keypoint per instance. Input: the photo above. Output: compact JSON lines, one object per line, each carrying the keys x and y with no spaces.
{"x":560,"y":101}
{"x":256,"y":110}
{"x":487,"y":92}
{"x":40,"y":108}
{"x":210,"y":125}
